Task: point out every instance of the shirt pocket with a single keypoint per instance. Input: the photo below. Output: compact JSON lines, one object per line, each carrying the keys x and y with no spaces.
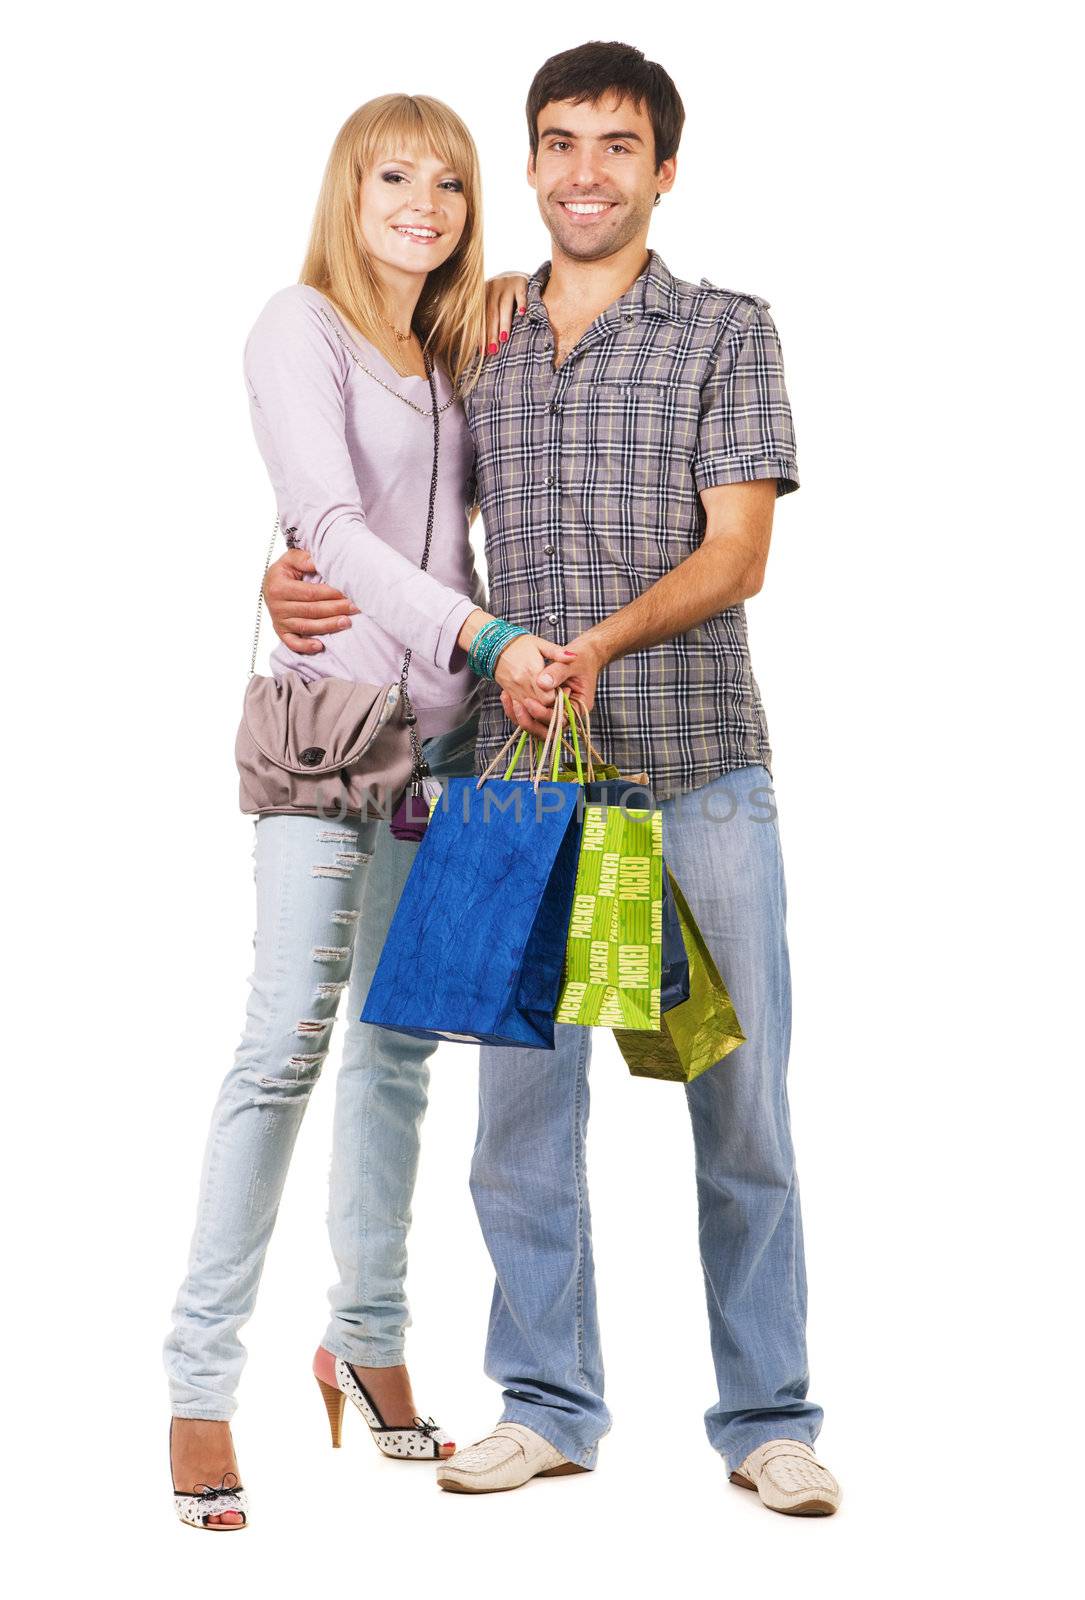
{"x":637,"y":436}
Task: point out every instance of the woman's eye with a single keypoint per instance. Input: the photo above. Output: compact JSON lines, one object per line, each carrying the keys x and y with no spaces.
{"x":393,"y":177}
{"x":454,"y":184}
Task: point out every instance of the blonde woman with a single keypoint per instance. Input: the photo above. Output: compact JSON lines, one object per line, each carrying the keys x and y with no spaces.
{"x":343,"y":371}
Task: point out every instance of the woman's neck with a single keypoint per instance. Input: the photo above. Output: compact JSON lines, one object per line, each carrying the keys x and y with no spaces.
{"x":402,"y":291}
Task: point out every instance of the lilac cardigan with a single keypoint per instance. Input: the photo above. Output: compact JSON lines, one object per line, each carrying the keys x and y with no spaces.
{"x":351,"y":467}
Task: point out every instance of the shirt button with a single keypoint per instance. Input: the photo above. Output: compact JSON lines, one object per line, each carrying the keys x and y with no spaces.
{"x":629,"y":316}
{"x":550,"y":482}
{"x":549,"y":549}
{"x":551,"y":616}
{"x":554,"y":408}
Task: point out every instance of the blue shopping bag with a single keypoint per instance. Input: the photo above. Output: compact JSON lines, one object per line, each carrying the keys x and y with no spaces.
{"x":477,"y":943}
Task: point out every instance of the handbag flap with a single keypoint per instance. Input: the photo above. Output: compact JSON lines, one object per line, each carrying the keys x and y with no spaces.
{"x":317,"y":727}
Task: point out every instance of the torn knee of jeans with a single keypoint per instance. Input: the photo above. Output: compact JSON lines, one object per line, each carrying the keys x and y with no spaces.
{"x":308,"y":1064}
{"x":308,"y":1027}
{"x":343,"y":865}
{"x":330,"y":953}
{"x":330,"y":991}
{"x":343,"y":836}
{"x":345,"y":919}
{"x":305,"y":1068}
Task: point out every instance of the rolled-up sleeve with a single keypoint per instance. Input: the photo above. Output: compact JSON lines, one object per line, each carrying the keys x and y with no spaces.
{"x":294,"y":369}
{"x":745,"y":429}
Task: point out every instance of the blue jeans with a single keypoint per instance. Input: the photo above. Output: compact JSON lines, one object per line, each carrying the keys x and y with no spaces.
{"x":529,"y":1182}
{"x":325,"y":897}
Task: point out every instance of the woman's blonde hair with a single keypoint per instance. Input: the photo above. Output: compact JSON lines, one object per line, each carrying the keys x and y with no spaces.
{"x":449,"y":318}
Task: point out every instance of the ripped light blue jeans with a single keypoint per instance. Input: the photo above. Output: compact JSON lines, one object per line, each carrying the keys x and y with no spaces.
{"x":325,"y":897}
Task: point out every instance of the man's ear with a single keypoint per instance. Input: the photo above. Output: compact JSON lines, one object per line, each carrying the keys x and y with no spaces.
{"x":665,"y":176}
{"x":531,"y":168}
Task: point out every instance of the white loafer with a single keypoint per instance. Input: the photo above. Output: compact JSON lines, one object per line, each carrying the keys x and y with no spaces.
{"x":789,"y":1478}
{"x":505,"y":1459}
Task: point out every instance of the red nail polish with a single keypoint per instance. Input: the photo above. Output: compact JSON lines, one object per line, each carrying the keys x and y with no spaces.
{"x":502,"y":336}
{"x":491,"y":349}
{"x":522,"y":310}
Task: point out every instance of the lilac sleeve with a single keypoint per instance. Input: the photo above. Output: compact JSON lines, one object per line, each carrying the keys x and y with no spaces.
{"x":295,"y":375}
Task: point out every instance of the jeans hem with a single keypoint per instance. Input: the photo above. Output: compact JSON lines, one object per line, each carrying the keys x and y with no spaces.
{"x":361,"y":1353}
{"x":536,"y":1418}
{"x":202,"y":1412}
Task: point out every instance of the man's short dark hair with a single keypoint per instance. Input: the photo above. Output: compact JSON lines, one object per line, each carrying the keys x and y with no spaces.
{"x":593,"y":70}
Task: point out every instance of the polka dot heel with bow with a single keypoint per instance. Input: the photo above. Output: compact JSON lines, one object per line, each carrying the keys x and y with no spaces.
{"x":209,"y":1500}
{"x":423,"y":1441}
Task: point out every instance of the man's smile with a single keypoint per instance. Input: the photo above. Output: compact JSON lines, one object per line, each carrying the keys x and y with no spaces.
{"x":587,"y":210}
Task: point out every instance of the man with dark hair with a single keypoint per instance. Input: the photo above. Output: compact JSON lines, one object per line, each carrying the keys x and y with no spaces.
{"x":632,"y":434}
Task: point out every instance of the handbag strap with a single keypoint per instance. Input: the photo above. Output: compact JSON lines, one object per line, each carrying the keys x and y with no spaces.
{"x":260,"y":598}
{"x":419,"y":766}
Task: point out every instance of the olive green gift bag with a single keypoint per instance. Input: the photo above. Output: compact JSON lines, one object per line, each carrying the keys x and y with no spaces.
{"x":695,"y":1035}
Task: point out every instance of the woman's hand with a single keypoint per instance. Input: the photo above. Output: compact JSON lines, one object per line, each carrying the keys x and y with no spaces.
{"x":517,"y":671}
{"x":506,"y":297}
{"x":577,"y":674}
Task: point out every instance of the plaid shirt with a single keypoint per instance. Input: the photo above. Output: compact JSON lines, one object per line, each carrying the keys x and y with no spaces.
{"x":588,"y":481}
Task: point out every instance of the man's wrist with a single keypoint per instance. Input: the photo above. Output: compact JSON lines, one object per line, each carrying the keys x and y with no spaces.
{"x":593,"y":646}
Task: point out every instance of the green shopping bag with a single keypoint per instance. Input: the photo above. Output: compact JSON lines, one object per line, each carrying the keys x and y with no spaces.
{"x":613,"y":956}
{"x":697,"y":1033}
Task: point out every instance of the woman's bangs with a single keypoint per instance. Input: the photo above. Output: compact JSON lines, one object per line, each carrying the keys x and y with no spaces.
{"x":417,"y":130}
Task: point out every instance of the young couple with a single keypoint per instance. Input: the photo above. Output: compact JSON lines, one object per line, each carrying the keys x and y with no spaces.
{"x":625,"y":435}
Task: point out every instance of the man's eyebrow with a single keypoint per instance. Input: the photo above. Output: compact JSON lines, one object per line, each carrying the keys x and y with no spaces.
{"x":565,"y":133}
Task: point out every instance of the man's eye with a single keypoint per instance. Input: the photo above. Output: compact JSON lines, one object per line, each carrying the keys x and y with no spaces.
{"x":621,"y":149}
{"x":560,"y":144}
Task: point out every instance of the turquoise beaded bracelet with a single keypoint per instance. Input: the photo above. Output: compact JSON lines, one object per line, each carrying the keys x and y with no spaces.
{"x":488,"y":644}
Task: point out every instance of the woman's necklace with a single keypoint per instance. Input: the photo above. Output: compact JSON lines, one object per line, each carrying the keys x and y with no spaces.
{"x":353,"y":354}
{"x":404,"y":338}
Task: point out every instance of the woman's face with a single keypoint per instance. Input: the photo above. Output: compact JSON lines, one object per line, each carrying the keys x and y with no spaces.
{"x":412,"y":213}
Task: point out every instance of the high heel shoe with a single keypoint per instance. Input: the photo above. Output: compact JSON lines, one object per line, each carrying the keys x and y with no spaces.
{"x":205,"y":1501}
{"x":424,"y":1441}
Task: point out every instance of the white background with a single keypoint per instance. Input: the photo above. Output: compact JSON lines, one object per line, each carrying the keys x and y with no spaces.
{"x":896,"y":181}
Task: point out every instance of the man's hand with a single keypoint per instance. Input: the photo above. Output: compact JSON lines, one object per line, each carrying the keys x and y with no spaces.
{"x":580,"y":675}
{"x":299,"y":611}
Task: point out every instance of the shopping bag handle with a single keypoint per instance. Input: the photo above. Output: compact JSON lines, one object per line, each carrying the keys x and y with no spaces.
{"x":551,"y":751}
{"x":538,"y":755}
{"x":495,"y":763}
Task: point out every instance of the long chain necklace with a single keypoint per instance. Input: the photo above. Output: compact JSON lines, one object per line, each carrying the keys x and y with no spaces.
{"x":369,"y":374}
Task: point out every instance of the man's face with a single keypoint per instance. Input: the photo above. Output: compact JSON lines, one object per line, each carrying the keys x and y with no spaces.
{"x":595,"y":175}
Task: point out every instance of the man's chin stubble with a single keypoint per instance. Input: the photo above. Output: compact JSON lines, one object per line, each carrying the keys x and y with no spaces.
{"x":573,"y":243}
